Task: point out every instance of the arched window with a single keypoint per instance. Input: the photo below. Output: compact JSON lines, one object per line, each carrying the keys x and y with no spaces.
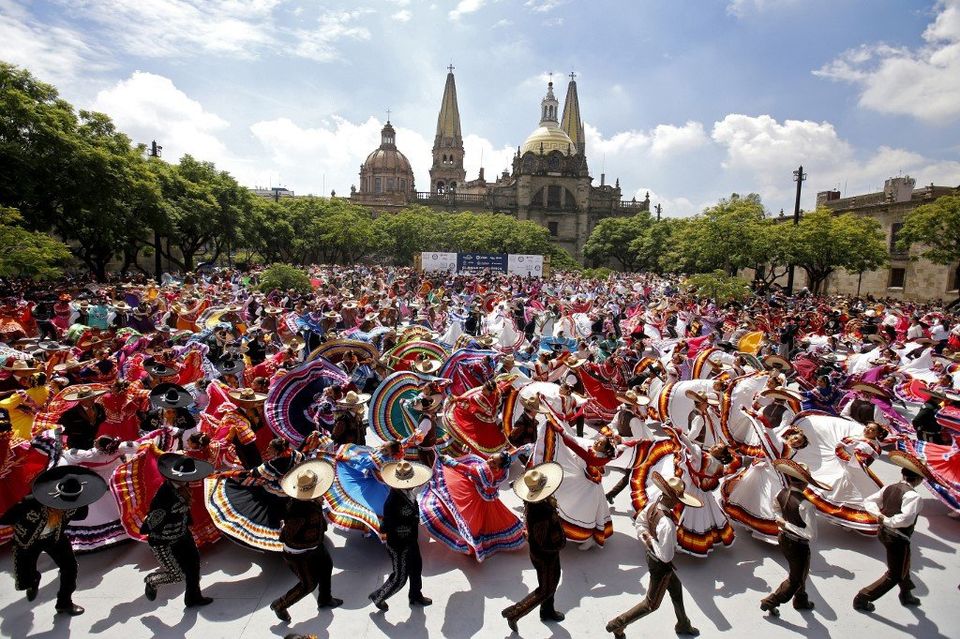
{"x":441,"y":186}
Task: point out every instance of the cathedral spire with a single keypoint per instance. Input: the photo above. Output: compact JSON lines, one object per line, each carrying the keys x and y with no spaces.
{"x":448,"y":123}
{"x":447,"y":172}
{"x":571,"y":123}
{"x":548,"y":107}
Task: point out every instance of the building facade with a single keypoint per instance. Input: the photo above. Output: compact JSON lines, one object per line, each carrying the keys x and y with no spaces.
{"x":549,"y":182}
{"x":905,"y":277}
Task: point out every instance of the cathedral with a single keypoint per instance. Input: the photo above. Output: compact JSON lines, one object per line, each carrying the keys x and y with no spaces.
{"x":549,"y":182}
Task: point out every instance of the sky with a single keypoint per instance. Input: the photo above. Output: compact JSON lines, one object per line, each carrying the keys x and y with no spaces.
{"x":689,"y":100}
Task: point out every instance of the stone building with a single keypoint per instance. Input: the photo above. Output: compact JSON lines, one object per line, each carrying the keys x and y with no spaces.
{"x":386,"y":178}
{"x":549,"y":181}
{"x":903,"y":277}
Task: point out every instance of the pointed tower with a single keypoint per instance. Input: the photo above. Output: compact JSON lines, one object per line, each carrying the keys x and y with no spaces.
{"x":447,"y":173}
{"x":571,"y":122}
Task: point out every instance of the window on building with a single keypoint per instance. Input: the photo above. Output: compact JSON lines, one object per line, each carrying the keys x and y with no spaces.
{"x":895,"y":236}
{"x":897,"y":277}
{"x":441,"y":187}
{"x":377,"y":185}
{"x":403,"y":184}
{"x":554,"y":228}
{"x":554,"y":194}
{"x":955,"y":279}
{"x":391,"y":184}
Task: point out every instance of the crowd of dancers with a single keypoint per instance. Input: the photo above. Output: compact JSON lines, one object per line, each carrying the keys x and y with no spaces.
{"x":179,"y":412}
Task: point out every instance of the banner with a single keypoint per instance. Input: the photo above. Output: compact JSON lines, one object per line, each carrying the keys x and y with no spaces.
{"x":526,"y":265}
{"x":438,"y":261}
{"x":477,"y":262}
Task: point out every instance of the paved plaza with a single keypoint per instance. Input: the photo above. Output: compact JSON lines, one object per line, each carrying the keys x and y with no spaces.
{"x":722,"y":593}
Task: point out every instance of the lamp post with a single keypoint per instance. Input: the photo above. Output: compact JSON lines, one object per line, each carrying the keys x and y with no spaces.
{"x":798,"y":176}
{"x":155,"y":150}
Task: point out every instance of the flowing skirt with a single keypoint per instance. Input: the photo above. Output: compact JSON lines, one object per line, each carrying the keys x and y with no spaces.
{"x":355,"y":500}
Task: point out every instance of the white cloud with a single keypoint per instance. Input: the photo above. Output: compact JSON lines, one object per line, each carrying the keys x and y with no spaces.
{"x":464,"y":7}
{"x":669,"y":206}
{"x":494,"y":160}
{"x":542,"y":6}
{"x":923,"y":83}
{"x":762,"y":153}
{"x":149,"y":107}
{"x":320,"y":44}
{"x":669,"y":139}
{"x":741,"y":8}
{"x":503,"y":22}
{"x":403,"y":15}
{"x":53,"y":54}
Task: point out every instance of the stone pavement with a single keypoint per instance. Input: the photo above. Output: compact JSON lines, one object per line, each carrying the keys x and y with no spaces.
{"x":722,"y":592}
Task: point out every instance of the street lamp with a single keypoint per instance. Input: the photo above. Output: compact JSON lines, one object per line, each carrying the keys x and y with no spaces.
{"x":798,"y":176}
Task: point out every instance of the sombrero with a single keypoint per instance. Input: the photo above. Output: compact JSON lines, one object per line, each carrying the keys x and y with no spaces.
{"x":426,"y":364}
{"x":405,"y":474}
{"x":273,"y":310}
{"x":539,"y":482}
{"x":160,"y":370}
{"x":183,"y":468}
{"x":247,"y":395}
{"x":870,"y":389}
{"x":229,"y":364}
{"x":21,"y":367}
{"x":781,"y":393}
{"x":533,"y":403}
{"x":349,"y":305}
{"x":121,"y":306}
{"x":702,"y":397}
{"x":676,"y":488}
{"x":353,"y":400}
{"x":425,"y":404}
{"x":485,"y":340}
{"x":777,"y":362}
{"x":574,"y":362}
{"x":51,"y":346}
{"x":167,"y":395}
{"x":630,"y":397}
{"x":309,"y":480}
{"x":68,"y":487}
{"x":798,"y":471}
{"x":83,"y":392}
{"x":912,"y":463}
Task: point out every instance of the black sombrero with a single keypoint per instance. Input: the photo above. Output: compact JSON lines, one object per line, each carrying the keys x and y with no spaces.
{"x":183,"y":468}
{"x":157,"y":369}
{"x":230,"y":365}
{"x":168,"y":395}
{"x":68,"y":487}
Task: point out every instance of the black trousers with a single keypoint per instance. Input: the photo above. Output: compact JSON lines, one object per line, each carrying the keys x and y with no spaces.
{"x":25,"y":566}
{"x":47,"y":329}
{"x":620,"y":485}
{"x":797,"y":554}
{"x":313,"y":569}
{"x":663,"y":579}
{"x":898,"y":568}
{"x":179,"y":561}
{"x":407,"y":564}
{"x":547,"y":565}
{"x":579,"y":425}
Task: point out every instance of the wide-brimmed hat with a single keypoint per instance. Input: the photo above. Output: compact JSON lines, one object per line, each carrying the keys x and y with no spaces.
{"x":183,"y":468}
{"x":247,"y":395}
{"x":676,"y":488}
{"x":349,"y":305}
{"x":426,"y":364}
{"x":876,"y":338}
{"x":912,"y":463}
{"x":353,"y":399}
{"x":121,"y":306}
{"x":871,"y":389}
{"x":167,"y":395}
{"x":574,"y":362}
{"x":333,"y":315}
{"x":158,"y":369}
{"x":777,"y":362}
{"x":405,"y":474}
{"x":21,"y":367}
{"x":797,"y":471}
{"x":230,"y":364}
{"x":78,"y":393}
{"x":539,"y":482}
{"x":51,"y":346}
{"x":697,"y":396}
{"x":485,"y":340}
{"x":781,"y":393}
{"x":273,"y":310}
{"x":533,"y":403}
{"x":309,"y":480}
{"x":68,"y":487}
{"x":420,"y":403}
{"x":632,"y":398}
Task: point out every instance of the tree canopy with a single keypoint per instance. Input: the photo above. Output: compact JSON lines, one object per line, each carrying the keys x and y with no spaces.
{"x":937,"y":227}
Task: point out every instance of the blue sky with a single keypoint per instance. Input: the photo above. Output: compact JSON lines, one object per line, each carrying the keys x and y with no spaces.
{"x":688,"y":99}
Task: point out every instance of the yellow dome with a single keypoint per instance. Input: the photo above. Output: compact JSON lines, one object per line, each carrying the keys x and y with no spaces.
{"x":551,"y":137}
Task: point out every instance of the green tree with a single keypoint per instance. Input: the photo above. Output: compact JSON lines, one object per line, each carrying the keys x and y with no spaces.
{"x":614,"y":237}
{"x":283,"y":277}
{"x":823,"y":242}
{"x":26,"y":253}
{"x":719,"y":286}
{"x":725,"y":236}
{"x":936,"y":226}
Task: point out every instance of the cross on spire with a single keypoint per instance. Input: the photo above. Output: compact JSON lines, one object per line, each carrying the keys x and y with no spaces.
{"x":451,"y":67}
{"x":573,"y":76}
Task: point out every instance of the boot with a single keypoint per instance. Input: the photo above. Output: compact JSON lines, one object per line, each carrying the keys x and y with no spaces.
{"x":279,"y":610}
{"x":909,"y":599}
{"x":67,"y":607}
{"x":420,"y":600}
{"x":861,"y":603}
{"x":552,"y":615}
{"x":686,"y":628}
{"x":331,"y":602}
{"x":511,"y":620}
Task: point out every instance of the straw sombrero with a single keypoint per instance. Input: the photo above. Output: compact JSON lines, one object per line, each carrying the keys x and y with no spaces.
{"x":426,"y":364}
{"x":781,"y":393}
{"x":353,"y":399}
{"x":702,"y":397}
{"x":777,"y":362}
{"x":309,"y":480}
{"x":405,"y":475}
{"x":912,"y":463}
{"x":83,"y":392}
{"x":247,"y":395}
{"x":533,"y":403}
{"x":798,"y":471}
{"x":21,"y":367}
{"x":539,"y":482}
{"x":870,"y":389}
{"x":676,"y":488}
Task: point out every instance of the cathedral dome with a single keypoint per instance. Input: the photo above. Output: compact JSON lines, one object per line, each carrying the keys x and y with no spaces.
{"x":386,"y":169}
{"x":548,"y":136}
{"x":387,"y":157}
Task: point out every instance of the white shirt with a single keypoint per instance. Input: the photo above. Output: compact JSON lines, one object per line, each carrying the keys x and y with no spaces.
{"x":663,"y":544}
{"x":915,"y":331}
{"x":807,"y":514}
{"x":909,"y":508}
{"x":878,"y":415}
{"x":938,"y":333}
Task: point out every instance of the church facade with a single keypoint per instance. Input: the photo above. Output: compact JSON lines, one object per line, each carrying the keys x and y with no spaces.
{"x":549,"y":182}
